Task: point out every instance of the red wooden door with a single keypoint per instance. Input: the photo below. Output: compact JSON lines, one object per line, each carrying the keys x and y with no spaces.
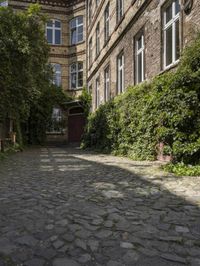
{"x":76,"y":125}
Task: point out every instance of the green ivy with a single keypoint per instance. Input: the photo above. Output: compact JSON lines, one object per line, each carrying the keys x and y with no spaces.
{"x":166,"y":109}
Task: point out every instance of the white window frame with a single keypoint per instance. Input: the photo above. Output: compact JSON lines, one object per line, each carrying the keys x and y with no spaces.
{"x":76,"y":72}
{"x":166,"y":26}
{"x":97,"y":93}
{"x":107,"y":84}
{"x":57,"y":74}
{"x":120,"y":9}
{"x":140,"y":51}
{"x":107,"y":23}
{"x":75,"y":29}
{"x":54,"y":28}
{"x":120,"y":73}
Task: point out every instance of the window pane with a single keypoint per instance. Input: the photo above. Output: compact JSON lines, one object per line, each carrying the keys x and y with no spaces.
{"x":57,"y":24}
{"x":73,"y":68}
{"x":139,"y":68}
{"x":50,"y":23}
{"x":73,"y":23}
{"x":177,"y":7}
{"x":80,"y":79}
{"x":80,"y":20}
{"x":177,"y":41}
{"x":80,"y":37}
{"x":49,"y":36}
{"x":80,"y":66}
{"x":169,"y":13}
{"x":73,"y":81}
{"x":139,"y":43}
{"x":57,"y":37}
{"x":73,"y":36}
{"x":169,"y":46}
{"x":80,"y":29}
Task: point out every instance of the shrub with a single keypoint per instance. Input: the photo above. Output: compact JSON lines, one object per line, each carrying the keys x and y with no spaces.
{"x":166,"y":109}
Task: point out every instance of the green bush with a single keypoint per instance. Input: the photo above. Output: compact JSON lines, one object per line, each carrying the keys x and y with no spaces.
{"x":166,"y":109}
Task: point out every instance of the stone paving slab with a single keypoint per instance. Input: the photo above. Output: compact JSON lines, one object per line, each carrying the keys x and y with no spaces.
{"x":67,"y":207}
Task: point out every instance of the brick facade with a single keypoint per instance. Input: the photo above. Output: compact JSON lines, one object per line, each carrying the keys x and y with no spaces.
{"x":139,"y":15}
{"x":64,"y":54}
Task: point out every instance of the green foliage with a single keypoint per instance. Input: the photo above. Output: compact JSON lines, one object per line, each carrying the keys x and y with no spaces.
{"x":41,"y":113}
{"x":86,"y":101}
{"x":181,"y":169}
{"x":167,"y":110}
{"x":26,"y":91}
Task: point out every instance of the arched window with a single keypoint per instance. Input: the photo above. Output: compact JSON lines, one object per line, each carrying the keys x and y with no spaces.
{"x":53,"y":32}
{"x":76,"y":75}
{"x":76,"y":29}
{"x":56,"y":74}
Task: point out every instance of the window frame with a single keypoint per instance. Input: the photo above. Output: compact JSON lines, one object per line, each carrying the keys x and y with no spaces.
{"x":138,"y":52}
{"x":120,"y":68}
{"x":76,"y":72}
{"x":57,"y":74}
{"x":107,"y":23}
{"x":120,"y":10}
{"x":166,"y":26}
{"x":75,"y":29}
{"x":107,"y":83}
{"x":97,"y":92}
{"x":97,"y":39}
{"x":53,"y":28}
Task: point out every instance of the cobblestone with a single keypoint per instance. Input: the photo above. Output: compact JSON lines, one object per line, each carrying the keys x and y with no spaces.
{"x":67,"y":207}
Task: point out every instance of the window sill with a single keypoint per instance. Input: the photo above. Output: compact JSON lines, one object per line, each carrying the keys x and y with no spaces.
{"x":119,"y":22}
{"x":77,"y":89}
{"x":74,"y":45}
{"x":170,"y":67}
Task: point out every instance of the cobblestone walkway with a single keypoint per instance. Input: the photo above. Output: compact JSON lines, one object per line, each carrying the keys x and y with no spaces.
{"x":66,"y":207}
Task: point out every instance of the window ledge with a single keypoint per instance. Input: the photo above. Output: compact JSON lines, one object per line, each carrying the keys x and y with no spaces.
{"x":77,"y":89}
{"x":170,"y":67}
{"x":79,"y":43}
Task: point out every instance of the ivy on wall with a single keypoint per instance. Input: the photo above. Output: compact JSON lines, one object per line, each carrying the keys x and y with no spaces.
{"x":164,"y":110}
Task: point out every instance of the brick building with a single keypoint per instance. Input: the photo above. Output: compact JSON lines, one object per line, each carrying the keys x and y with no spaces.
{"x":66,"y":34}
{"x":108,"y":45}
{"x":134,"y":40}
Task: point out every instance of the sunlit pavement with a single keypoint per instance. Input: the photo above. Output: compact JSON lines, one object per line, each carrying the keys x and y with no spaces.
{"x":67,"y":207}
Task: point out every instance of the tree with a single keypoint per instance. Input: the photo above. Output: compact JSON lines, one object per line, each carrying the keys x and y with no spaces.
{"x":25,"y":75}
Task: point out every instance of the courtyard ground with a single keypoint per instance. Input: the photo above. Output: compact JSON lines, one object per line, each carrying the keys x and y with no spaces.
{"x":67,"y":207}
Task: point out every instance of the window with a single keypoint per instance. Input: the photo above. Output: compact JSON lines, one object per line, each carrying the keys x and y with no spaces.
{"x":56,"y":74}
{"x":171,"y":21}
{"x":90,"y":11}
{"x":76,"y":28}
{"x":90,"y":52}
{"x":97,"y":40}
{"x":56,"y":124}
{"x":120,"y":9}
{"x":139,"y":65}
{"x":53,"y":32}
{"x":106,"y":24}
{"x":107,"y":84}
{"x":4,"y":3}
{"x":97,"y":2}
{"x":76,"y":75}
{"x":97,"y":96}
{"x":120,"y":73}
